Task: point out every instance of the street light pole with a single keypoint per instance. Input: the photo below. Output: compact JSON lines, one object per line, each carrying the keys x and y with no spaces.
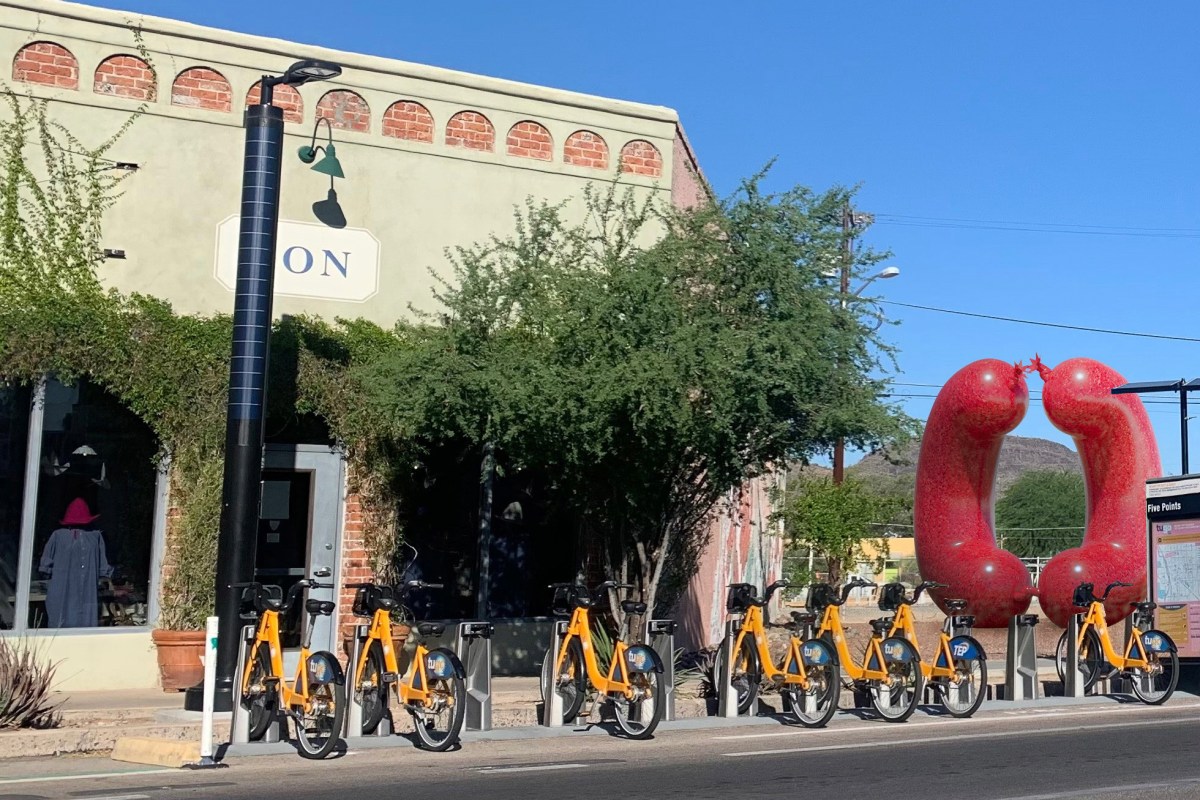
{"x":241,"y":487}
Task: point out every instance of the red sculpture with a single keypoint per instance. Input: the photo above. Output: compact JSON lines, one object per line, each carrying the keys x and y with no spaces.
{"x":955,"y":493}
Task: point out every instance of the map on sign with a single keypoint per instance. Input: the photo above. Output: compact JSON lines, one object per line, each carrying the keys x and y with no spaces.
{"x":1177,"y":571}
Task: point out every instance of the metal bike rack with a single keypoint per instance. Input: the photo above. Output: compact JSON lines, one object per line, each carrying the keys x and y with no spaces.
{"x":1074,"y":684}
{"x":727,"y":705}
{"x":552,"y":714}
{"x":354,"y":715}
{"x":660,"y":635}
{"x":1020,"y":663}
{"x":239,"y":732}
{"x":473,"y":644}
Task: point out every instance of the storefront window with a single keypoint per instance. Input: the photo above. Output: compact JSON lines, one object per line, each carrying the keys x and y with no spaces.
{"x":14,"y":441}
{"x":94,"y":521}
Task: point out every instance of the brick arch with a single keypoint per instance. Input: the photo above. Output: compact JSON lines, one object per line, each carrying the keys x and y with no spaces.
{"x":283,"y":96}
{"x":639,"y":157}
{"x":471,"y":130}
{"x":46,"y":63}
{"x":202,"y":87}
{"x":586,"y":149}
{"x":345,"y":110}
{"x":529,"y":139}
{"x":408,"y":120}
{"x":125,"y":75}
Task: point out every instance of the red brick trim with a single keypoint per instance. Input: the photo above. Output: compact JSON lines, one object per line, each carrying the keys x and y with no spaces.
{"x":471,"y":130}
{"x":586,"y":149}
{"x":639,"y":157}
{"x":48,"y":64}
{"x":283,"y":96}
{"x":528,"y":139}
{"x":345,"y":110}
{"x":408,"y":120}
{"x":202,"y":87}
{"x":126,"y":76}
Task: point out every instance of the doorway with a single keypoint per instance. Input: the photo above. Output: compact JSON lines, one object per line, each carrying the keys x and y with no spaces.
{"x":299,"y":534}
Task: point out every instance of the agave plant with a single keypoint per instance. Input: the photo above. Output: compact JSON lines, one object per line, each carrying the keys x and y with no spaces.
{"x":25,"y":679}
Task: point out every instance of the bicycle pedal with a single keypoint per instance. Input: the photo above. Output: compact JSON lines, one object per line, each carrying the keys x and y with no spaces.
{"x":389,"y":677}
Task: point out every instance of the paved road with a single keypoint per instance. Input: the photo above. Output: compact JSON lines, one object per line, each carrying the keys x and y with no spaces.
{"x":1125,"y":751}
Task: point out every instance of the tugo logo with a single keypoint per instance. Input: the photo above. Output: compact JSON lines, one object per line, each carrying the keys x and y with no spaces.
{"x":311,"y":260}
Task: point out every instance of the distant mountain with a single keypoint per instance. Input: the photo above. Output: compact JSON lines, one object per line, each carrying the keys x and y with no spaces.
{"x":1018,"y":455}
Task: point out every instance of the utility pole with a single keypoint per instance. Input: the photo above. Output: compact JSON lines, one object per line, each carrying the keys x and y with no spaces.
{"x":839,"y":447}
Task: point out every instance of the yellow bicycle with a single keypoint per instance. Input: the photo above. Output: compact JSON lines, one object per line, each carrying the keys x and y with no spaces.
{"x":959,"y":670}
{"x":890,"y":670}
{"x":315,"y":699}
{"x":633,"y":682}
{"x":808,"y":677}
{"x":1149,"y":659}
{"x":432,"y":690}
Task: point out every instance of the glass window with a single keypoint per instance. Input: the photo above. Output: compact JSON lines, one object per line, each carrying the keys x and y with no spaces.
{"x":95,"y":512}
{"x":14,"y":443}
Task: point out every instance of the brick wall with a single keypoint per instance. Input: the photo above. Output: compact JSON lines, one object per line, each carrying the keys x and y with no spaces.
{"x":355,"y":568}
{"x":471,"y":130}
{"x":586,"y":149}
{"x":48,"y":64}
{"x":283,"y":96}
{"x":346,"y":110}
{"x":408,"y":120}
{"x":639,"y":157}
{"x":688,"y":187}
{"x":530,"y":140}
{"x":201,"y":87}
{"x":126,"y":76}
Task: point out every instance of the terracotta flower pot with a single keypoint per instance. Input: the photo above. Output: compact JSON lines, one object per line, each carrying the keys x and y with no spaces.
{"x":179,"y":654}
{"x":399,"y":637}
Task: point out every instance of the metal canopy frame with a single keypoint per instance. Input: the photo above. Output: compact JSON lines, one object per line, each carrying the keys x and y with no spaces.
{"x":1183,"y":386}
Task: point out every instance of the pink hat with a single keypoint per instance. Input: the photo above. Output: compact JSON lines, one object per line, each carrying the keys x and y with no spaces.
{"x":78,"y":513}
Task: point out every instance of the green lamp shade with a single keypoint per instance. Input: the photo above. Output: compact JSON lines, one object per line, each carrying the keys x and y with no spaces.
{"x":329,"y":165}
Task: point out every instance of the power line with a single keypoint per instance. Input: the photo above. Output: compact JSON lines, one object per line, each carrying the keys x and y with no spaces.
{"x":1038,"y":323}
{"x":1042,"y":224}
{"x":1034,"y":227}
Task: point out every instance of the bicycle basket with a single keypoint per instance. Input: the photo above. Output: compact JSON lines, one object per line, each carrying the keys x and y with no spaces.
{"x":1083,"y":595}
{"x":740,"y":595}
{"x":560,"y":605}
{"x":370,"y":598}
{"x":820,"y":597}
{"x":891,"y":597}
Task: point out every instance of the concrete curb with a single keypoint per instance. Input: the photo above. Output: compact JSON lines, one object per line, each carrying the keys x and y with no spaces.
{"x":157,"y":752}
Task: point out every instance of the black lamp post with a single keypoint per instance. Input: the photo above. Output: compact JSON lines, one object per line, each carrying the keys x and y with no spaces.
{"x":240,"y":494}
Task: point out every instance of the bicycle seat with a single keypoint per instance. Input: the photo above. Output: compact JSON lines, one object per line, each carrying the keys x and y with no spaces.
{"x":1144,"y":606}
{"x":882,"y":625}
{"x":431,"y":628}
{"x":954,"y":605}
{"x":633,"y":607}
{"x":323,"y":607}
{"x":804,"y":617}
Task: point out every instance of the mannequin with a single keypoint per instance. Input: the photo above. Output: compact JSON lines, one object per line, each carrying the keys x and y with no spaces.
{"x":75,"y":560}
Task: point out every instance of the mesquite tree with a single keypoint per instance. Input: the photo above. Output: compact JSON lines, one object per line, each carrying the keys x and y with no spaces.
{"x":650,"y":360}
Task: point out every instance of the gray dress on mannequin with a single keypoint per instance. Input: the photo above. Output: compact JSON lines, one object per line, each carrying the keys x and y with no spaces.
{"x":75,"y":561}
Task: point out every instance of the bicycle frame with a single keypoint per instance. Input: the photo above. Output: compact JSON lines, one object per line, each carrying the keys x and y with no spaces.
{"x":872,"y":667}
{"x":753,"y":625}
{"x":267,"y":634}
{"x":1095,"y":619}
{"x":904,"y":624}
{"x":606,"y":684}
{"x":412,"y":687}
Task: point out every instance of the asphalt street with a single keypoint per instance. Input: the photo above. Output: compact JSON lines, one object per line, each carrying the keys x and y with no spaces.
{"x":1117,"y":750}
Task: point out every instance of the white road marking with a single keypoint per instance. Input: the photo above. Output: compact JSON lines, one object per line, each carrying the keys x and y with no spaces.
{"x":1041,"y":714}
{"x":52,"y":778}
{"x":894,"y":742}
{"x":1106,"y":789}
{"x":119,"y":797}
{"x":532,"y":768}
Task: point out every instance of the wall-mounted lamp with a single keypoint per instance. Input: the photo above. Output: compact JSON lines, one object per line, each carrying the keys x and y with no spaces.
{"x":328,"y":165}
{"x":128,"y":166}
{"x":108,"y":252}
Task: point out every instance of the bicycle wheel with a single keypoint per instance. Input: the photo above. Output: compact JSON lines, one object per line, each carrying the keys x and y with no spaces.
{"x":744,"y":674}
{"x":1091,"y":659}
{"x":319,"y":721}
{"x":260,"y":701}
{"x":814,"y":706}
{"x":372,"y":691}
{"x":896,"y":697}
{"x":638,"y":717}
{"x":439,"y":719}
{"x":1156,"y":684}
{"x":963,"y":694}
{"x":572,"y":681}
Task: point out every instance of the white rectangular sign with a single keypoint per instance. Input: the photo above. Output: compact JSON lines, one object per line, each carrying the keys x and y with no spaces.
{"x":311,"y":260}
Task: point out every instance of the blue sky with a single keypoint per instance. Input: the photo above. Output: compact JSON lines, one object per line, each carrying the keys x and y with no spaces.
{"x":1043,"y":114}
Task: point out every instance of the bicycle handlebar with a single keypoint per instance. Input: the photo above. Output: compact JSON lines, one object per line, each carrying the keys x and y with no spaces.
{"x":285,"y":605}
{"x":856,"y":583}
{"x":924,"y":585}
{"x":1112,"y":586}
